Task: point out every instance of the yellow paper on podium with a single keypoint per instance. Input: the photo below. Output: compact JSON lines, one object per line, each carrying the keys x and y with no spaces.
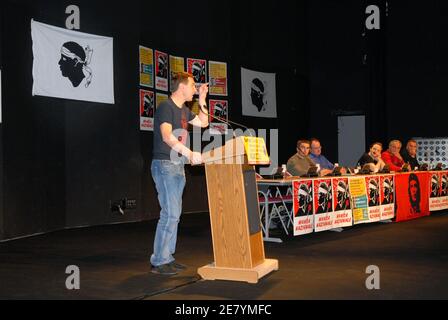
{"x":256,"y":150}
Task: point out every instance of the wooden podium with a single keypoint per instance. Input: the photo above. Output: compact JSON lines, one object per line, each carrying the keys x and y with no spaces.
{"x":234,"y":212}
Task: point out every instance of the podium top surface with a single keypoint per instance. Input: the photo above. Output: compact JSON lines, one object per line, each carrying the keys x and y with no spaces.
{"x":239,"y":150}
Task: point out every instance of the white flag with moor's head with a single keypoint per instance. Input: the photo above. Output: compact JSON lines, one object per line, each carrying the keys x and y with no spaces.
{"x":72,"y":65}
{"x":258,"y":94}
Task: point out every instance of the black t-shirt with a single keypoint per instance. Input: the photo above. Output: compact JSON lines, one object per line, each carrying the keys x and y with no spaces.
{"x":408,"y":159}
{"x":366,"y":158}
{"x":168,"y":112}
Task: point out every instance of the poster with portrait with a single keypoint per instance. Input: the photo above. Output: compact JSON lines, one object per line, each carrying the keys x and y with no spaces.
{"x":146,"y":110}
{"x":341,"y":203}
{"x":387,"y":196}
{"x":444,"y":190}
{"x":302,"y":207}
{"x":258,"y":94}
{"x":435,"y":184}
{"x":198,"y":68}
{"x":70,"y":64}
{"x":146,"y":63}
{"x":176,"y":65}
{"x":438,"y":199}
{"x":358,"y":193}
{"x":323,"y":205}
{"x":160,"y":97}
{"x":219,"y":111}
{"x":217,"y":78}
{"x":373,"y":197}
{"x":161,"y":64}
{"x":412,"y":195}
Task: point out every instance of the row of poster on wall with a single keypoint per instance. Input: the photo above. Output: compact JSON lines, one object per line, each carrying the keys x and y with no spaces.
{"x":156,"y":69}
{"x":326,"y":203}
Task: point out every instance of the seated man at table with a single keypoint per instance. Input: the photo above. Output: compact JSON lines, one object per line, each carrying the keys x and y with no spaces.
{"x":373,"y":157}
{"x":410,"y":154}
{"x":316,"y":155}
{"x":393,"y":158}
{"x":299,"y":163}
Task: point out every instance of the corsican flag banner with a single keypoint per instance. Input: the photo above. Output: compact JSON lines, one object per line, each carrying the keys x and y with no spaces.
{"x":72,"y":65}
{"x":258,"y":94}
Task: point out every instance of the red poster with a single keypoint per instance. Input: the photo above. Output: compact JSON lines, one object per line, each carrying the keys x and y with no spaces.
{"x":341,"y":199}
{"x":146,"y":110}
{"x":219,"y":109}
{"x":303,"y":207}
{"x":161,"y":64}
{"x":444,"y":184}
{"x":412,"y":195}
{"x":387,"y":187}
{"x":146,"y":104}
{"x":438,"y":199}
{"x":323,"y":196}
{"x":435,"y":184}
{"x":198,"y":68}
{"x":373,"y":198}
{"x":373,"y":191}
{"x":303,"y":198}
{"x":323,"y":205}
{"x":341,"y":203}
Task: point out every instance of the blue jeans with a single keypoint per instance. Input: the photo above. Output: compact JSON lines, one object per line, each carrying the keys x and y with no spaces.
{"x":169,"y":178}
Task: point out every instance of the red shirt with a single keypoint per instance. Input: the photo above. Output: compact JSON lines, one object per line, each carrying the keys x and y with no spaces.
{"x":393,"y":161}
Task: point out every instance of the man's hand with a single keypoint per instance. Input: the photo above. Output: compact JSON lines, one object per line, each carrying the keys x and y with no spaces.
{"x":324,"y":172}
{"x":196,"y":158}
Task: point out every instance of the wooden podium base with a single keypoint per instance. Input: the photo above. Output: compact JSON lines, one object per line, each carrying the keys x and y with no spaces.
{"x":210,"y":272}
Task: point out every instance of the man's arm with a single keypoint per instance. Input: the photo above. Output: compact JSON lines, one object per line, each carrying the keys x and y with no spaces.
{"x":166,"y":129}
{"x":388,"y":160}
{"x":201,"y":120}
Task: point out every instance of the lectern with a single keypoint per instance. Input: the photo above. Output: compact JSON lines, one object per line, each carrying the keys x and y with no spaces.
{"x":234,"y":212}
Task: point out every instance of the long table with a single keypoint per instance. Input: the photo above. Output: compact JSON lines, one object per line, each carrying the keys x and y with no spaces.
{"x":305,"y":205}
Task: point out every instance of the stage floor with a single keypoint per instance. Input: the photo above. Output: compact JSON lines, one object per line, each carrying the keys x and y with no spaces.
{"x":412,"y":258}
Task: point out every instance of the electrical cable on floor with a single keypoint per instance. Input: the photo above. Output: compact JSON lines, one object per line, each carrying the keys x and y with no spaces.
{"x":148,"y":295}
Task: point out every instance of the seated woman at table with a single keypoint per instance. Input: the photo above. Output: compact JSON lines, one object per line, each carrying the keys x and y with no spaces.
{"x":373,"y":157}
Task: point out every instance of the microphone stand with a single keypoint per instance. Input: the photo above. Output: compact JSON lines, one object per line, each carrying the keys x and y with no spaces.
{"x":226,"y":122}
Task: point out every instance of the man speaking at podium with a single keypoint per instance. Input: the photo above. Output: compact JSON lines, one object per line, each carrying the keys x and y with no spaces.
{"x":170,"y":153}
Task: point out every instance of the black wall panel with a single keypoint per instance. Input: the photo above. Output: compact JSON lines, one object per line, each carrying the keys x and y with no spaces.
{"x":65,"y":160}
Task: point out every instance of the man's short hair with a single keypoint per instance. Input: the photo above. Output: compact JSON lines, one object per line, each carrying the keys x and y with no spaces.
{"x":314,"y":140}
{"x":378,"y":143}
{"x":395,"y":141}
{"x":411,"y":140}
{"x":180,"y":77}
{"x":299,"y":142}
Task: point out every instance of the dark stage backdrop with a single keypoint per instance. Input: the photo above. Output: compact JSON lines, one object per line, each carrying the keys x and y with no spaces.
{"x":63,"y":161}
{"x":395,"y":76}
{"x":417,"y":69}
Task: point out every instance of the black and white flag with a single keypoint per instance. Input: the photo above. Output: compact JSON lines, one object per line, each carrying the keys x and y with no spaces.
{"x":72,"y":65}
{"x":258,"y":94}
